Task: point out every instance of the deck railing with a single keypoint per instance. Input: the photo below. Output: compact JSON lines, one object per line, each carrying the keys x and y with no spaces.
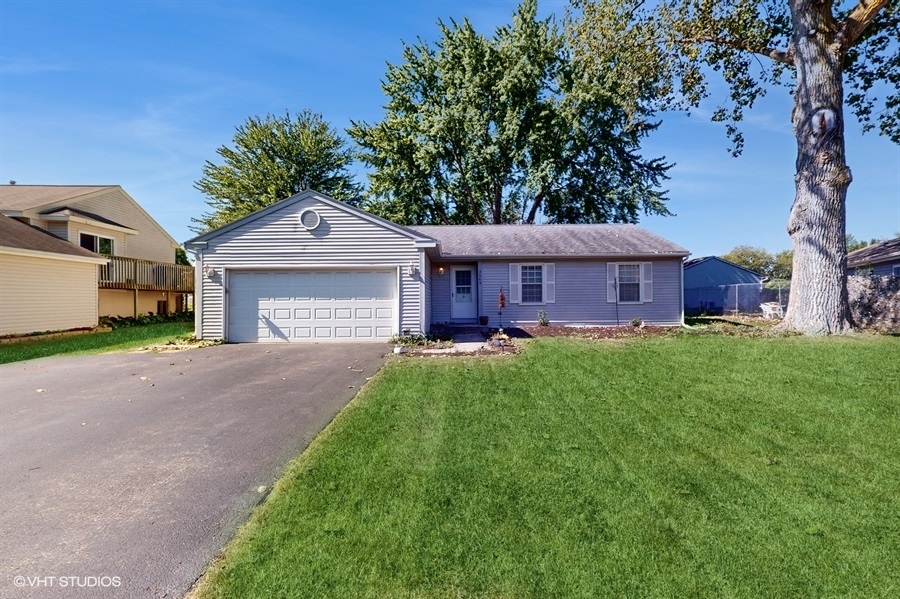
{"x":133,"y":273}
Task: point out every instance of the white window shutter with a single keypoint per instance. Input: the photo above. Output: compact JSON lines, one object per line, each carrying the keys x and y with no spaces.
{"x":611,"y":274}
{"x":515,"y":284}
{"x":646,"y":281}
{"x":549,"y":283}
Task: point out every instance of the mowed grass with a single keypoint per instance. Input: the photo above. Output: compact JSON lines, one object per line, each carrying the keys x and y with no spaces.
{"x":116,"y":340}
{"x":672,"y":467}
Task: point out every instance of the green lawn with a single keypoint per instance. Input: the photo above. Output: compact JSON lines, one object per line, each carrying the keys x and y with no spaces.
{"x":116,"y":340}
{"x":692,"y":466}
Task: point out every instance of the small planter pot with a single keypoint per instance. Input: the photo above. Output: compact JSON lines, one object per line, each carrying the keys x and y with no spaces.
{"x":399,"y":349}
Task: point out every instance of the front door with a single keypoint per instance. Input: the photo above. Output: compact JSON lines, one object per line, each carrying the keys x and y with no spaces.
{"x":462,"y":292}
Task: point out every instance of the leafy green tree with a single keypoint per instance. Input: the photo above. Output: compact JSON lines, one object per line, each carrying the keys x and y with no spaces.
{"x":671,"y":48}
{"x":756,"y":259}
{"x":181,"y":257}
{"x":504,"y":130}
{"x":854,"y":244}
{"x":784,"y":265}
{"x":273,"y":158}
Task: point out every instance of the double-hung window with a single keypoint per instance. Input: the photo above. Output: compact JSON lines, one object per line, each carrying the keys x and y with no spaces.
{"x":629,"y":282}
{"x":532,"y":283}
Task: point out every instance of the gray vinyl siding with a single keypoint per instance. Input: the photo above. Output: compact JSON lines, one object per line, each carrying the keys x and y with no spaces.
{"x":440,"y":294}
{"x":426,"y":294}
{"x":581,"y":295}
{"x":277,"y":241}
{"x":884,"y":270}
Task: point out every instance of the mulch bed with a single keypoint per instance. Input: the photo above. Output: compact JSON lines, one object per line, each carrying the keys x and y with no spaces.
{"x":623,"y":332}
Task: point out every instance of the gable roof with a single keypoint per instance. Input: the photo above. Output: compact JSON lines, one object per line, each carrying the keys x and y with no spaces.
{"x":421,"y":239}
{"x":714,"y":271}
{"x":19,"y":236}
{"x":542,"y":241}
{"x":16,"y":199}
{"x":877,"y":253}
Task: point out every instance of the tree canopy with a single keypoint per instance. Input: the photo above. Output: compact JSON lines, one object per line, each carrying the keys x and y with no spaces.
{"x":756,"y":259}
{"x":504,"y":130}
{"x":273,"y":158}
{"x":663,"y":55}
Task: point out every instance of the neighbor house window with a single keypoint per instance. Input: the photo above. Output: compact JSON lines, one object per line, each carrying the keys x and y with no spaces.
{"x":96,"y":243}
{"x":532,"y":283}
{"x":629,"y":282}
{"x":896,"y":271}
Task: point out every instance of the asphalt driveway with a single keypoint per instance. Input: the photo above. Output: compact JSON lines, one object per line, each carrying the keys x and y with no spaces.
{"x":122,"y":475}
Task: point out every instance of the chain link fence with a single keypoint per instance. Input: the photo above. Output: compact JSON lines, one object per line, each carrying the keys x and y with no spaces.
{"x":747,"y":299}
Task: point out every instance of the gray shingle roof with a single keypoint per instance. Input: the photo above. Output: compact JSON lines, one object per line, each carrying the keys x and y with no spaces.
{"x":886,"y":251}
{"x":18,"y":235}
{"x":516,"y":241}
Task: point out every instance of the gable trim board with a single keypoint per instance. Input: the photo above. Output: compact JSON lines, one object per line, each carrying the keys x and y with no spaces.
{"x":349,"y":247}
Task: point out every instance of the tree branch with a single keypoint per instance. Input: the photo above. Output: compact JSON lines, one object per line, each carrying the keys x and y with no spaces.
{"x":856,"y":22}
{"x":782,"y":56}
{"x":532,"y":214}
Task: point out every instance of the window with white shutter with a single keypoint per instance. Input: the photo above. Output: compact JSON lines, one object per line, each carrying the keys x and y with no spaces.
{"x":532,"y":284}
{"x":629,"y":282}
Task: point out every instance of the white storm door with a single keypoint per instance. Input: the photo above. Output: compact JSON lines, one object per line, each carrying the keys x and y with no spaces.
{"x":462,"y":292}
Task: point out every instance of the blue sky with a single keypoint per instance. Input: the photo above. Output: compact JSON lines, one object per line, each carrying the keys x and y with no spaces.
{"x":141,"y":93}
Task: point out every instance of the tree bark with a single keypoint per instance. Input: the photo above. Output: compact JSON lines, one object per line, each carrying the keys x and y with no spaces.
{"x":817,"y":222}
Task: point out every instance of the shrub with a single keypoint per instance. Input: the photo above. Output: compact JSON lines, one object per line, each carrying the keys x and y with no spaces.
{"x":120,"y":322}
{"x":542,"y":319}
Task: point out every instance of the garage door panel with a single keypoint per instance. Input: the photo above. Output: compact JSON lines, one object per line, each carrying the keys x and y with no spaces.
{"x":310,"y":306}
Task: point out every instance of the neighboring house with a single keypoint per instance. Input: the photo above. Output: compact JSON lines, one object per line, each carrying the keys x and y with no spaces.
{"x":877,"y":259}
{"x":716,"y":286}
{"x":46,"y":284}
{"x":140,"y":274}
{"x":310,"y":268}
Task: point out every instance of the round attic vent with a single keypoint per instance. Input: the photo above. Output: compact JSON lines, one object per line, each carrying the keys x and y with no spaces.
{"x":310,"y":219}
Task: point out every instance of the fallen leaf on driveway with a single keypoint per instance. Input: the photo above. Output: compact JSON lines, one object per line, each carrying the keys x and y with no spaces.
{"x":84,"y":424}
{"x":143,"y":378}
{"x":349,"y":386}
{"x":40,"y":390}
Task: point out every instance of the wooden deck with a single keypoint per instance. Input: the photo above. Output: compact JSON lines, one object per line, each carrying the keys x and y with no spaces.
{"x":145,"y":275}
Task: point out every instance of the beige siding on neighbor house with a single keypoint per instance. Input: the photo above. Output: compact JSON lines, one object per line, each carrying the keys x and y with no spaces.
{"x":40,"y":294}
{"x":58,"y":228}
{"x":120,"y":302}
{"x":151,"y":243}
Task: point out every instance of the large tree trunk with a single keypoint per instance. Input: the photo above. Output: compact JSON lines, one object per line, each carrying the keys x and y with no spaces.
{"x":817,"y":222}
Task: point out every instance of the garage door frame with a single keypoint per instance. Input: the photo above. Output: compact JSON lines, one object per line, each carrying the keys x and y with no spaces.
{"x":397,"y":269}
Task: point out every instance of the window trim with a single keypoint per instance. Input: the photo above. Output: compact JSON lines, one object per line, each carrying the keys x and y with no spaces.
{"x":639,"y":283}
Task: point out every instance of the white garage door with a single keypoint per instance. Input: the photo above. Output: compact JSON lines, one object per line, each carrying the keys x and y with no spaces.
{"x":311,"y":306}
